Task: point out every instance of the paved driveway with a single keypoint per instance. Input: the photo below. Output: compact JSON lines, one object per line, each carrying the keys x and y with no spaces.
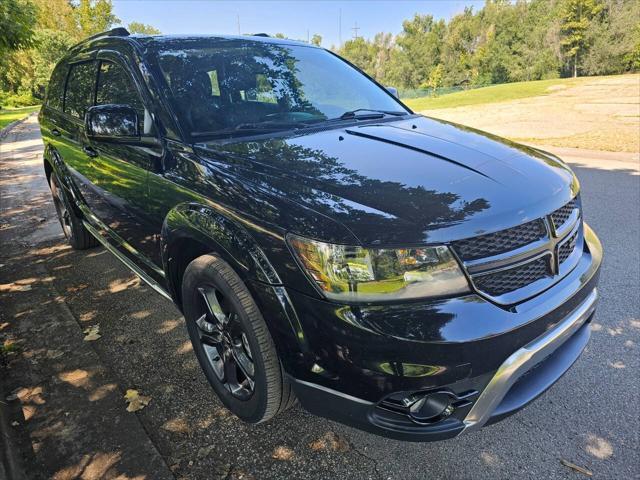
{"x":589,"y":418}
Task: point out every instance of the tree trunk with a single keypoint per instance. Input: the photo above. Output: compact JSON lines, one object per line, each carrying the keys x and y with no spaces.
{"x":575,"y":66}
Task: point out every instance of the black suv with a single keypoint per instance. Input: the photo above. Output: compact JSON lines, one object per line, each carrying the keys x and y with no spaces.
{"x":404,"y":275}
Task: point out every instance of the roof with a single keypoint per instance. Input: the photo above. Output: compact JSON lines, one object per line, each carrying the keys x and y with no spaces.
{"x":158,"y":40}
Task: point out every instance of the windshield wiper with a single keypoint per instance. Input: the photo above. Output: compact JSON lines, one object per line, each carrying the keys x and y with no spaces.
{"x":353,"y":115}
{"x":248,"y":129}
{"x":374,"y":114}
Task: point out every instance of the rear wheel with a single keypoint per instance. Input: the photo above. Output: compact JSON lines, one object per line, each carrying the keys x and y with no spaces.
{"x":232,"y":342}
{"x":72,"y":227}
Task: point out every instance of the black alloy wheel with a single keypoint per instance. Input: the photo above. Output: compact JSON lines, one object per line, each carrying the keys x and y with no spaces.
{"x":225,"y":343}
{"x":232,"y":341}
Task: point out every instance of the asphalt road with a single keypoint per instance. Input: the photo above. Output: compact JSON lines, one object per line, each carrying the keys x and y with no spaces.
{"x":589,"y":418}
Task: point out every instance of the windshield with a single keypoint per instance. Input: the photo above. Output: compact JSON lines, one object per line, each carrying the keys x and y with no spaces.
{"x":235,"y":87}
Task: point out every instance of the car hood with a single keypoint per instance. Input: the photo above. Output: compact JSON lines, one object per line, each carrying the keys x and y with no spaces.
{"x":412,"y":181}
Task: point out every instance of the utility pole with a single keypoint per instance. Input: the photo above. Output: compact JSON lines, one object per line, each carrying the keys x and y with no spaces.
{"x":355,"y":31}
{"x":339,"y":28}
{"x":238,"y":18}
{"x":308,"y":41}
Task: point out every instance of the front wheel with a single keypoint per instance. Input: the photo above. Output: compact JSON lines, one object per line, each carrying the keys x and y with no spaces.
{"x":232,"y":342}
{"x":74,"y":231}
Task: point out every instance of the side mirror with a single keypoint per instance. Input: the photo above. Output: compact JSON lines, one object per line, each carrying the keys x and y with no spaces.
{"x":393,"y":91}
{"x":112,"y":123}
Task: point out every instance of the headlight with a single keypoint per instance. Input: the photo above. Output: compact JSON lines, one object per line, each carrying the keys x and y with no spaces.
{"x":356,"y":274}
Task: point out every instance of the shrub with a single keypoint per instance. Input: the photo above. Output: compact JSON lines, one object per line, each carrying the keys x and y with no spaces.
{"x":20,"y":99}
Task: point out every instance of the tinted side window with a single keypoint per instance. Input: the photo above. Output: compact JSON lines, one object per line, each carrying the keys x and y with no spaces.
{"x":55,"y":91}
{"x":116,"y":87}
{"x":79,"y":91}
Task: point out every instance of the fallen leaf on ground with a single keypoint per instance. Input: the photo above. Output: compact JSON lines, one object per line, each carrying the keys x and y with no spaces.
{"x":15,"y":424}
{"x":282,"y":453}
{"x":135,"y":400}
{"x":577,"y":468}
{"x":92,"y":333}
{"x":330,"y":441}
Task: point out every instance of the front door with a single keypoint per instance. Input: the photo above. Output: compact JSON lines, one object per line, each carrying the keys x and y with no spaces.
{"x":120,"y":171}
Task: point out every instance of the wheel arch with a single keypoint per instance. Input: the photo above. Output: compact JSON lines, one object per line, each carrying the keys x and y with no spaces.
{"x":191,"y":230}
{"x":48,"y":168}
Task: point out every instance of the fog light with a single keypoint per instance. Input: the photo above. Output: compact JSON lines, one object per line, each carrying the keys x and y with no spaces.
{"x":433,"y":406}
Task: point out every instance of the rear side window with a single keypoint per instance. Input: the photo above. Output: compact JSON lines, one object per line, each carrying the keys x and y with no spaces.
{"x":116,"y":87}
{"x":80,"y":87}
{"x":55,"y":90}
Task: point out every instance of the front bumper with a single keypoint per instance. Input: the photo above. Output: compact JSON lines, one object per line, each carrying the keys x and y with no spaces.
{"x":346,"y":363}
{"x":524,"y":376}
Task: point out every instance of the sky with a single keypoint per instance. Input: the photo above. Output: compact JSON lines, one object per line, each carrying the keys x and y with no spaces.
{"x":296,"y":19}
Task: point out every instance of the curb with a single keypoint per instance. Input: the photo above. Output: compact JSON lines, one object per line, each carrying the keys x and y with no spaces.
{"x":10,"y":463}
{"x":7,"y":130}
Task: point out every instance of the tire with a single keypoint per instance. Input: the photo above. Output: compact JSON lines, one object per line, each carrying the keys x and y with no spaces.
{"x":213,"y":293}
{"x":78,"y":237}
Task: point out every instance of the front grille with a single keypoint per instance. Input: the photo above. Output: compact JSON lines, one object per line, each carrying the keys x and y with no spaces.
{"x":561,"y":215}
{"x":490,"y":275}
{"x":500,"y":242}
{"x":567,"y":248}
{"x":506,"y":281}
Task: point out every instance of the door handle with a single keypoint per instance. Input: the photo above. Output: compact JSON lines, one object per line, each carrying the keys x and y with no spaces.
{"x":55,"y":132}
{"x":89,"y":151}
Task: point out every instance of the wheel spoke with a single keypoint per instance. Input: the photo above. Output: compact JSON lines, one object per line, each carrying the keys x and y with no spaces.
{"x":216,"y":361}
{"x":213,"y":306}
{"x":230,"y":371}
{"x":225,"y":343}
{"x":246,"y":366}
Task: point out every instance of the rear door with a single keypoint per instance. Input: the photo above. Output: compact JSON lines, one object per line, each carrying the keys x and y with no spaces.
{"x":79,"y":95}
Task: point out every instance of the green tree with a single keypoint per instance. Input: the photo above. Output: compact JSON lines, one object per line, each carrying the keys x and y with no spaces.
{"x":420,"y":45}
{"x":94,"y":16}
{"x":576,"y":18}
{"x":459,"y":47}
{"x":316,"y":40}
{"x":613,"y":38}
{"x":435,"y":79}
{"x":17,"y":19}
{"x":137,"y":27}
{"x":359,"y":52}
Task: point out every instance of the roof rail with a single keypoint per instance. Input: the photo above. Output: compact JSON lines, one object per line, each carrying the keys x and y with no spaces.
{"x":114,"y":32}
{"x":260,"y":35}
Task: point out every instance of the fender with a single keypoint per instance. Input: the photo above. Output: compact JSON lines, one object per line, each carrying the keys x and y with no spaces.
{"x":234,"y":244}
{"x":225,"y":237}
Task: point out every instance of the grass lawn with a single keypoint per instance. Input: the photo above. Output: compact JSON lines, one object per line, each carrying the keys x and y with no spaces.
{"x":595,"y":113}
{"x":8,"y":115}
{"x":492,"y":94}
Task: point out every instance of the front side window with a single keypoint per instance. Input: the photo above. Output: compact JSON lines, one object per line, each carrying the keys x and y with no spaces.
{"x":80,"y":87}
{"x":116,"y":87}
{"x":222,"y":86}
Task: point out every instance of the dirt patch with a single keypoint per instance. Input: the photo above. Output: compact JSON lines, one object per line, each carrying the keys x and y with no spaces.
{"x":602,"y":113}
